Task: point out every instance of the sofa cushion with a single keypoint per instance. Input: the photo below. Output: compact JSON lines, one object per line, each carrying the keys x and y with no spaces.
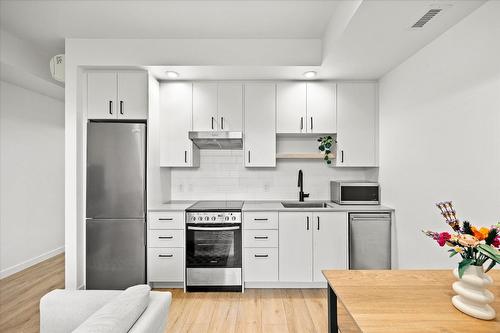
{"x":120,"y":314}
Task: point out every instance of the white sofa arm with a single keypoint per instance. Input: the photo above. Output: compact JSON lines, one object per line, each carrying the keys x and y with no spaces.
{"x":154,"y":318}
{"x":61,"y":311}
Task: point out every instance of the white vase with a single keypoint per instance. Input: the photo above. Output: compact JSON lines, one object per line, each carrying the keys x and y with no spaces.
{"x":473,"y":298}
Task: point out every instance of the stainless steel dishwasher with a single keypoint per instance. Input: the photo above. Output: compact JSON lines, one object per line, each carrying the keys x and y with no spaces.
{"x":369,"y":241}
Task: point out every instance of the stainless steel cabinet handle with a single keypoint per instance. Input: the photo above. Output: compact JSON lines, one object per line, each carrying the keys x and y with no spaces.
{"x":311,"y":123}
{"x":165,"y":237}
{"x":261,"y":255}
{"x":185,"y":156}
{"x":110,"y":107}
{"x":121,"y":107}
{"x":318,"y":222}
{"x":212,"y":122}
{"x":301,"y":123}
{"x":249,"y":156}
{"x":260,"y":219}
{"x":261,"y":237}
{"x":165,"y":255}
{"x":165,"y":219}
{"x":222,"y":122}
{"x":213,"y":228}
{"x":307,"y":223}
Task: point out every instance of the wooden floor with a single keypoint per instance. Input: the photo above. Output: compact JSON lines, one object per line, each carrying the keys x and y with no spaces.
{"x":20,"y":294}
{"x":256,"y":310}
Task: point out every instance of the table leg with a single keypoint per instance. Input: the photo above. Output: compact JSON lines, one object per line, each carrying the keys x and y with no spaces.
{"x":332,"y":311}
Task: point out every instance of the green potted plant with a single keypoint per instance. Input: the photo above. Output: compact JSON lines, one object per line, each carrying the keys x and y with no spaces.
{"x":325,"y":146}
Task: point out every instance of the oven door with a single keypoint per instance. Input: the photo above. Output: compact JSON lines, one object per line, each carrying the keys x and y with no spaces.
{"x":213,"y":246}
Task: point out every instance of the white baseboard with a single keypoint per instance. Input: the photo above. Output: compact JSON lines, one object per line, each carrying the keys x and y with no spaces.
{"x":30,"y":262}
{"x":285,"y":285}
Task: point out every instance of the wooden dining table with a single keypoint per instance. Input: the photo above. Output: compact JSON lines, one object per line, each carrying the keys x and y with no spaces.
{"x":401,"y":301}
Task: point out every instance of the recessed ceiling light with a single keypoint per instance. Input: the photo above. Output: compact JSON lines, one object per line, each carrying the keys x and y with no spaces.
{"x":310,"y":74}
{"x":172,"y":74}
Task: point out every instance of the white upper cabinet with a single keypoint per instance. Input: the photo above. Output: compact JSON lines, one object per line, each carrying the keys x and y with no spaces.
{"x":101,"y":95}
{"x":306,"y":107}
{"x":321,"y":107}
{"x":329,"y":242}
{"x":295,"y":247}
{"x":204,"y":106}
{"x":176,"y":107}
{"x":217,"y":106}
{"x":132,"y":95}
{"x":230,"y":107}
{"x":117,"y":95}
{"x":291,"y":107}
{"x":260,"y":125}
{"x":357,"y":124}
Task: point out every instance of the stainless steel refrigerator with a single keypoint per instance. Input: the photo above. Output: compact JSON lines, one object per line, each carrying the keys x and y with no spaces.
{"x":116,"y":199}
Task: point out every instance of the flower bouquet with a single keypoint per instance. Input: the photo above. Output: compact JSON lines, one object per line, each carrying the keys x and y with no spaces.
{"x":475,"y":245}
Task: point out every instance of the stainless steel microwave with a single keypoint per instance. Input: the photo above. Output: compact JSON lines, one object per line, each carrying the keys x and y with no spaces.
{"x":355,"y":192}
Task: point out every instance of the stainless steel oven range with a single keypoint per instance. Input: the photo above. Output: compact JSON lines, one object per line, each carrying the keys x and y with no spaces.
{"x":213,"y":246}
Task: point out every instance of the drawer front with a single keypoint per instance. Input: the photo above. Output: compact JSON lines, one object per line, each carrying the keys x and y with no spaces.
{"x":261,"y":238}
{"x":166,"y":265}
{"x":260,"y":220}
{"x":261,"y":264}
{"x":166,"y":238}
{"x":166,"y":220}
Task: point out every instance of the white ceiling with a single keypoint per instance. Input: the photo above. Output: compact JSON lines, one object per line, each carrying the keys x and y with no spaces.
{"x":49,"y":22}
{"x":361,"y":39}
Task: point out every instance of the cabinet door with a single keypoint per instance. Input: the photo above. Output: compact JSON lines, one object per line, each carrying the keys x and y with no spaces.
{"x":329,"y":242}
{"x":205,"y":106}
{"x":356,"y":124}
{"x":321,"y":107}
{"x":260,"y":125}
{"x":176,"y":150}
{"x":101,"y":95}
{"x":132,"y":95}
{"x":165,"y":264}
{"x":295,"y":247}
{"x":230,"y":107}
{"x":291,"y":107}
{"x":261,"y":264}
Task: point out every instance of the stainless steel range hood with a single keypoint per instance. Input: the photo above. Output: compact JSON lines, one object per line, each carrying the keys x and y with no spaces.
{"x":217,"y":140}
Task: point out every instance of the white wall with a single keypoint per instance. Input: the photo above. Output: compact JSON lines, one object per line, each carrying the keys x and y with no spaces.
{"x":223,"y":176}
{"x":31,"y":177}
{"x":440,"y":135}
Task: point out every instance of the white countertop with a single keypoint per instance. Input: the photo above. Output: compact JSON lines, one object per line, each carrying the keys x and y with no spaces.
{"x":171,"y":206}
{"x":275,"y":205}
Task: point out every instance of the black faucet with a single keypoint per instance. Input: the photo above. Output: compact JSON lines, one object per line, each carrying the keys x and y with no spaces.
{"x":302,"y":195}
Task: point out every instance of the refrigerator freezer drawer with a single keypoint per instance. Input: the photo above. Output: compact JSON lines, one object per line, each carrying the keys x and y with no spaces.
{"x":115,"y":253}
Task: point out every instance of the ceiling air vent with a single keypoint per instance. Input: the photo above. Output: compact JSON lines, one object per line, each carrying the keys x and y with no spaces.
{"x":426,"y":18}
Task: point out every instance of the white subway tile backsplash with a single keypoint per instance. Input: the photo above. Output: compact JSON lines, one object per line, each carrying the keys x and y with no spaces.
{"x":223,"y":176}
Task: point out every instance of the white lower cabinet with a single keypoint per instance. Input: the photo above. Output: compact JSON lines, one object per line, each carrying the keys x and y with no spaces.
{"x":260,"y":243}
{"x":165,"y":264}
{"x":261,"y":264}
{"x":310,"y":242}
{"x":165,"y":252}
{"x":295,"y":247}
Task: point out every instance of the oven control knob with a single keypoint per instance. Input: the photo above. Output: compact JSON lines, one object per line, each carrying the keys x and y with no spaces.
{"x":194,"y":218}
{"x":206,"y":218}
{"x":233,"y":218}
{"x":200,"y":218}
{"x":213,"y":218}
{"x":226,"y":218}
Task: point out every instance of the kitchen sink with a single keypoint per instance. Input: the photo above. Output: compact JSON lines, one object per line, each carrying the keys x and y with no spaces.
{"x":297,"y":204}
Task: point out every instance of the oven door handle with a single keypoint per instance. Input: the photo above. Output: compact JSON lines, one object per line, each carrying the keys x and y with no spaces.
{"x":213,"y":228}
